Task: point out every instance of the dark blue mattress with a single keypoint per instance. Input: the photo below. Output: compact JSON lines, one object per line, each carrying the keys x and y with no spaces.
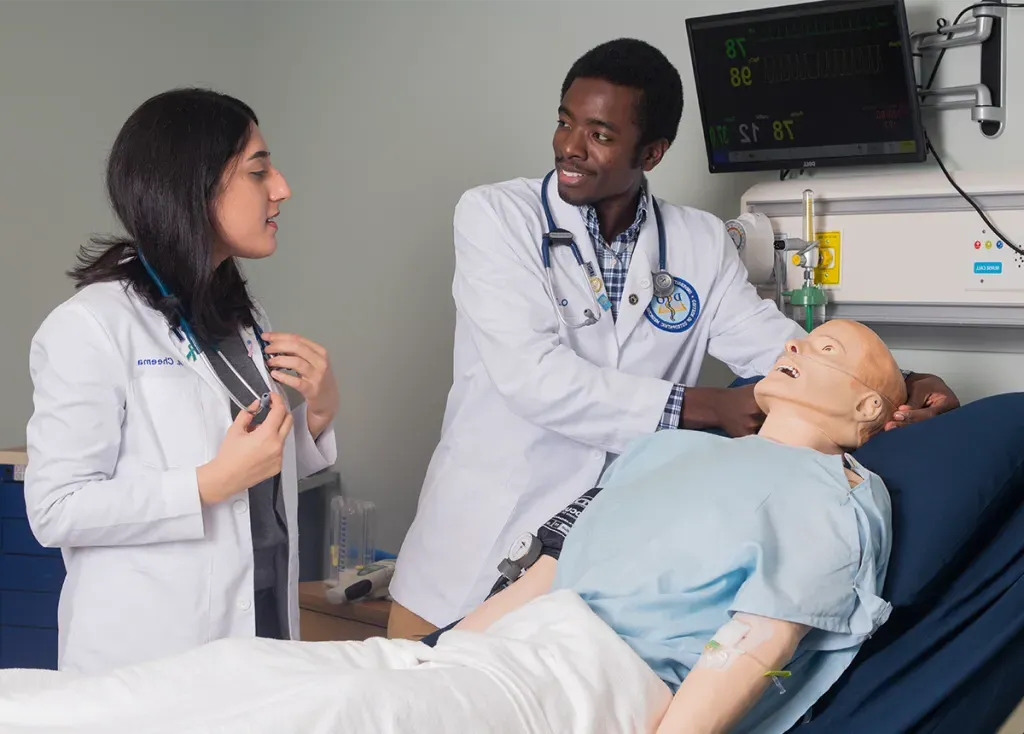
{"x":953,"y":667}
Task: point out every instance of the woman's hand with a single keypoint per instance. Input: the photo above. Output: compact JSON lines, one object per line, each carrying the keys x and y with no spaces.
{"x":313,"y":378}
{"x":246,"y":457}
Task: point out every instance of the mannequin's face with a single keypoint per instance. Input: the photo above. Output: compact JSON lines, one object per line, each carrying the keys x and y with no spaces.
{"x":841,"y":378}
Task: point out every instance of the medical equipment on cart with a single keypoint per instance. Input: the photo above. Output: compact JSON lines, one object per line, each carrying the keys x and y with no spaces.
{"x":361,"y":584}
{"x":351,"y":542}
{"x":664,"y":283}
{"x":899,"y":248}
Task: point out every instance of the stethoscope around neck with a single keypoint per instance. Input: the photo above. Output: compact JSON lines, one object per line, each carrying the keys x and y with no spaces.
{"x":664,"y":283}
{"x":194,"y":352}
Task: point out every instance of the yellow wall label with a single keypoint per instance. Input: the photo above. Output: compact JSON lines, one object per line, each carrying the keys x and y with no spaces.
{"x":829,"y":252}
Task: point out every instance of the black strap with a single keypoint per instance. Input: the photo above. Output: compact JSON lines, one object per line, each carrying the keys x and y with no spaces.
{"x":553,"y":533}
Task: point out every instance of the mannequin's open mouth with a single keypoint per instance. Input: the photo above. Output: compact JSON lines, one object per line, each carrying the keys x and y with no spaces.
{"x":788,"y":371}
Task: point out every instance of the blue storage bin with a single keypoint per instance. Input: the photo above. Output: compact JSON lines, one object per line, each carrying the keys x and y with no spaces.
{"x":28,"y":647}
{"x":30,"y":580}
{"x":16,"y":537}
{"x":29,"y":609}
{"x":12,"y":496}
{"x":31,"y":573}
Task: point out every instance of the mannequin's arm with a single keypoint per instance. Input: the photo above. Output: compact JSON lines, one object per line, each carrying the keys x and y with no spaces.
{"x":532,"y":584}
{"x":730,"y":676}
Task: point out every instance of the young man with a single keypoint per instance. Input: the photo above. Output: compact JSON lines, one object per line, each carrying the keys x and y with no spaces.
{"x":565,"y":353}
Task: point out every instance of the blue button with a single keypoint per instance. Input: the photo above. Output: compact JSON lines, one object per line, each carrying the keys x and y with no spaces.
{"x":999,"y":244}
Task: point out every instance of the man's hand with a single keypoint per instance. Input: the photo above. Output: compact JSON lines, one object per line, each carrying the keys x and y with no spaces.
{"x":927,"y":397}
{"x":732,"y":409}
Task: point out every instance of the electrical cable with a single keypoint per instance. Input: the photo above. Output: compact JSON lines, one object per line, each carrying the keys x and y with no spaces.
{"x":943,"y":23}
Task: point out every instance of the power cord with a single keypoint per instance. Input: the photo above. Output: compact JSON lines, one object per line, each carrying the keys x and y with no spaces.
{"x":967,"y":197}
{"x":942,"y":23}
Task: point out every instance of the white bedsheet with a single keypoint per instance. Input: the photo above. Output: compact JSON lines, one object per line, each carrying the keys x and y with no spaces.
{"x":552,"y":667}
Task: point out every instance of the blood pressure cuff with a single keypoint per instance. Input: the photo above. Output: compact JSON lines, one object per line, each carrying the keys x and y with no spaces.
{"x":553,"y":533}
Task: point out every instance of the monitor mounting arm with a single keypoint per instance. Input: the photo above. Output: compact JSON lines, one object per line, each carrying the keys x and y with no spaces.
{"x":987,"y":28}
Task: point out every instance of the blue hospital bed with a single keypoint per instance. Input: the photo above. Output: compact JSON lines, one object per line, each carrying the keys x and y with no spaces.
{"x":949,"y":659}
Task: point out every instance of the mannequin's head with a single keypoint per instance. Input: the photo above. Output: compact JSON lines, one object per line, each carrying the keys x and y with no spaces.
{"x":840,"y":381}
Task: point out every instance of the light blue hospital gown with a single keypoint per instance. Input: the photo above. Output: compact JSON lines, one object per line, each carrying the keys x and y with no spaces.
{"x":691,"y":527}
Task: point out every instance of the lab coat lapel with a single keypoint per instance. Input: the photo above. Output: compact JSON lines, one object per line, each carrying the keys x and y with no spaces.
{"x":638,"y":280}
{"x":252,"y":346}
{"x":195,"y":361}
{"x":570,"y":281}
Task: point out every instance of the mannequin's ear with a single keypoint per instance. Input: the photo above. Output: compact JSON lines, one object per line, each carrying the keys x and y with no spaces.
{"x":870,"y":407}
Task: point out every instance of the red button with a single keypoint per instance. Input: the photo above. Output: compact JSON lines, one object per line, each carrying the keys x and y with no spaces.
{"x":977,"y":245}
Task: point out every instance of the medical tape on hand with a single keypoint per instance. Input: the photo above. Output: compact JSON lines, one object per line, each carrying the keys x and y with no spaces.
{"x":740,"y":636}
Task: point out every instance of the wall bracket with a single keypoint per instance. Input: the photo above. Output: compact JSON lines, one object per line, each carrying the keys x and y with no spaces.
{"x":986,"y":99}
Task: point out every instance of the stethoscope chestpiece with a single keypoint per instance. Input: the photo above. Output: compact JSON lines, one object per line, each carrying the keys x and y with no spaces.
{"x":664,"y":284}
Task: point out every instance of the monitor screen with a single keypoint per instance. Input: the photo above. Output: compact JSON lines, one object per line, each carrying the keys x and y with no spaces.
{"x":805,"y":86}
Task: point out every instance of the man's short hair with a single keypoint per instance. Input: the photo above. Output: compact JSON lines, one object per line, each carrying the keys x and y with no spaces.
{"x":631,"y":63}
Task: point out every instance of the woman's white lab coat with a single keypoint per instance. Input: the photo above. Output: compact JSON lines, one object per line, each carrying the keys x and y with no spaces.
{"x":536,"y":409}
{"x":122,"y":419}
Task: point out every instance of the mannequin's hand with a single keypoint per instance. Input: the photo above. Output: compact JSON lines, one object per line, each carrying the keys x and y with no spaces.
{"x":927,"y":397}
{"x":732,"y":409}
{"x":314,"y":379}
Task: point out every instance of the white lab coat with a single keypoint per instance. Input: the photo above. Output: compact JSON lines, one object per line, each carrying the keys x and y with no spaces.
{"x":122,"y":419}
{"x":537,"y":409}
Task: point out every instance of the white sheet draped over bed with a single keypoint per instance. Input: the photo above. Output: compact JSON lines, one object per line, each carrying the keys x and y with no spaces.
{"x":551,"y":667}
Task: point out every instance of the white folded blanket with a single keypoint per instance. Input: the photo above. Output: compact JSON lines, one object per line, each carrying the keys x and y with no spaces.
{"x":552,"y":666}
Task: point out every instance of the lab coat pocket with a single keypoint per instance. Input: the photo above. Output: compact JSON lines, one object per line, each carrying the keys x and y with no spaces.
{"x":170,"y":409}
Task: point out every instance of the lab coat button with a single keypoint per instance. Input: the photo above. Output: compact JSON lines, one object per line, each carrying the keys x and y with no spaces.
{"x":244,"y":605}
{"x":645,"y":283}
{"x":633,"y":299}
{"x":240,"y":506}
{"x":598,"y":454}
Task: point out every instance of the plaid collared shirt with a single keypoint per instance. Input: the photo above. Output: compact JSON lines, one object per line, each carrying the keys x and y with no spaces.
{"x":613,"y":260}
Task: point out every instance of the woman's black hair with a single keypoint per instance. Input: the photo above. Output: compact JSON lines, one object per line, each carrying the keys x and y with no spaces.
{"x":163,"y":177}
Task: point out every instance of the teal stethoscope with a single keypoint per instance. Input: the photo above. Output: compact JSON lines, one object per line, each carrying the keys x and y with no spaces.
{"x":194,"y":352}
{"x":664,"y":283}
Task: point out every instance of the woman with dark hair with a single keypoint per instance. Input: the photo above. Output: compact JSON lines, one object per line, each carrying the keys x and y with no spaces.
{"x":163,"y":457}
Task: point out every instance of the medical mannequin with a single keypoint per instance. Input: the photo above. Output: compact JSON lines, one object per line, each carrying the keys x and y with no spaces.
{"x":829,"y":392}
